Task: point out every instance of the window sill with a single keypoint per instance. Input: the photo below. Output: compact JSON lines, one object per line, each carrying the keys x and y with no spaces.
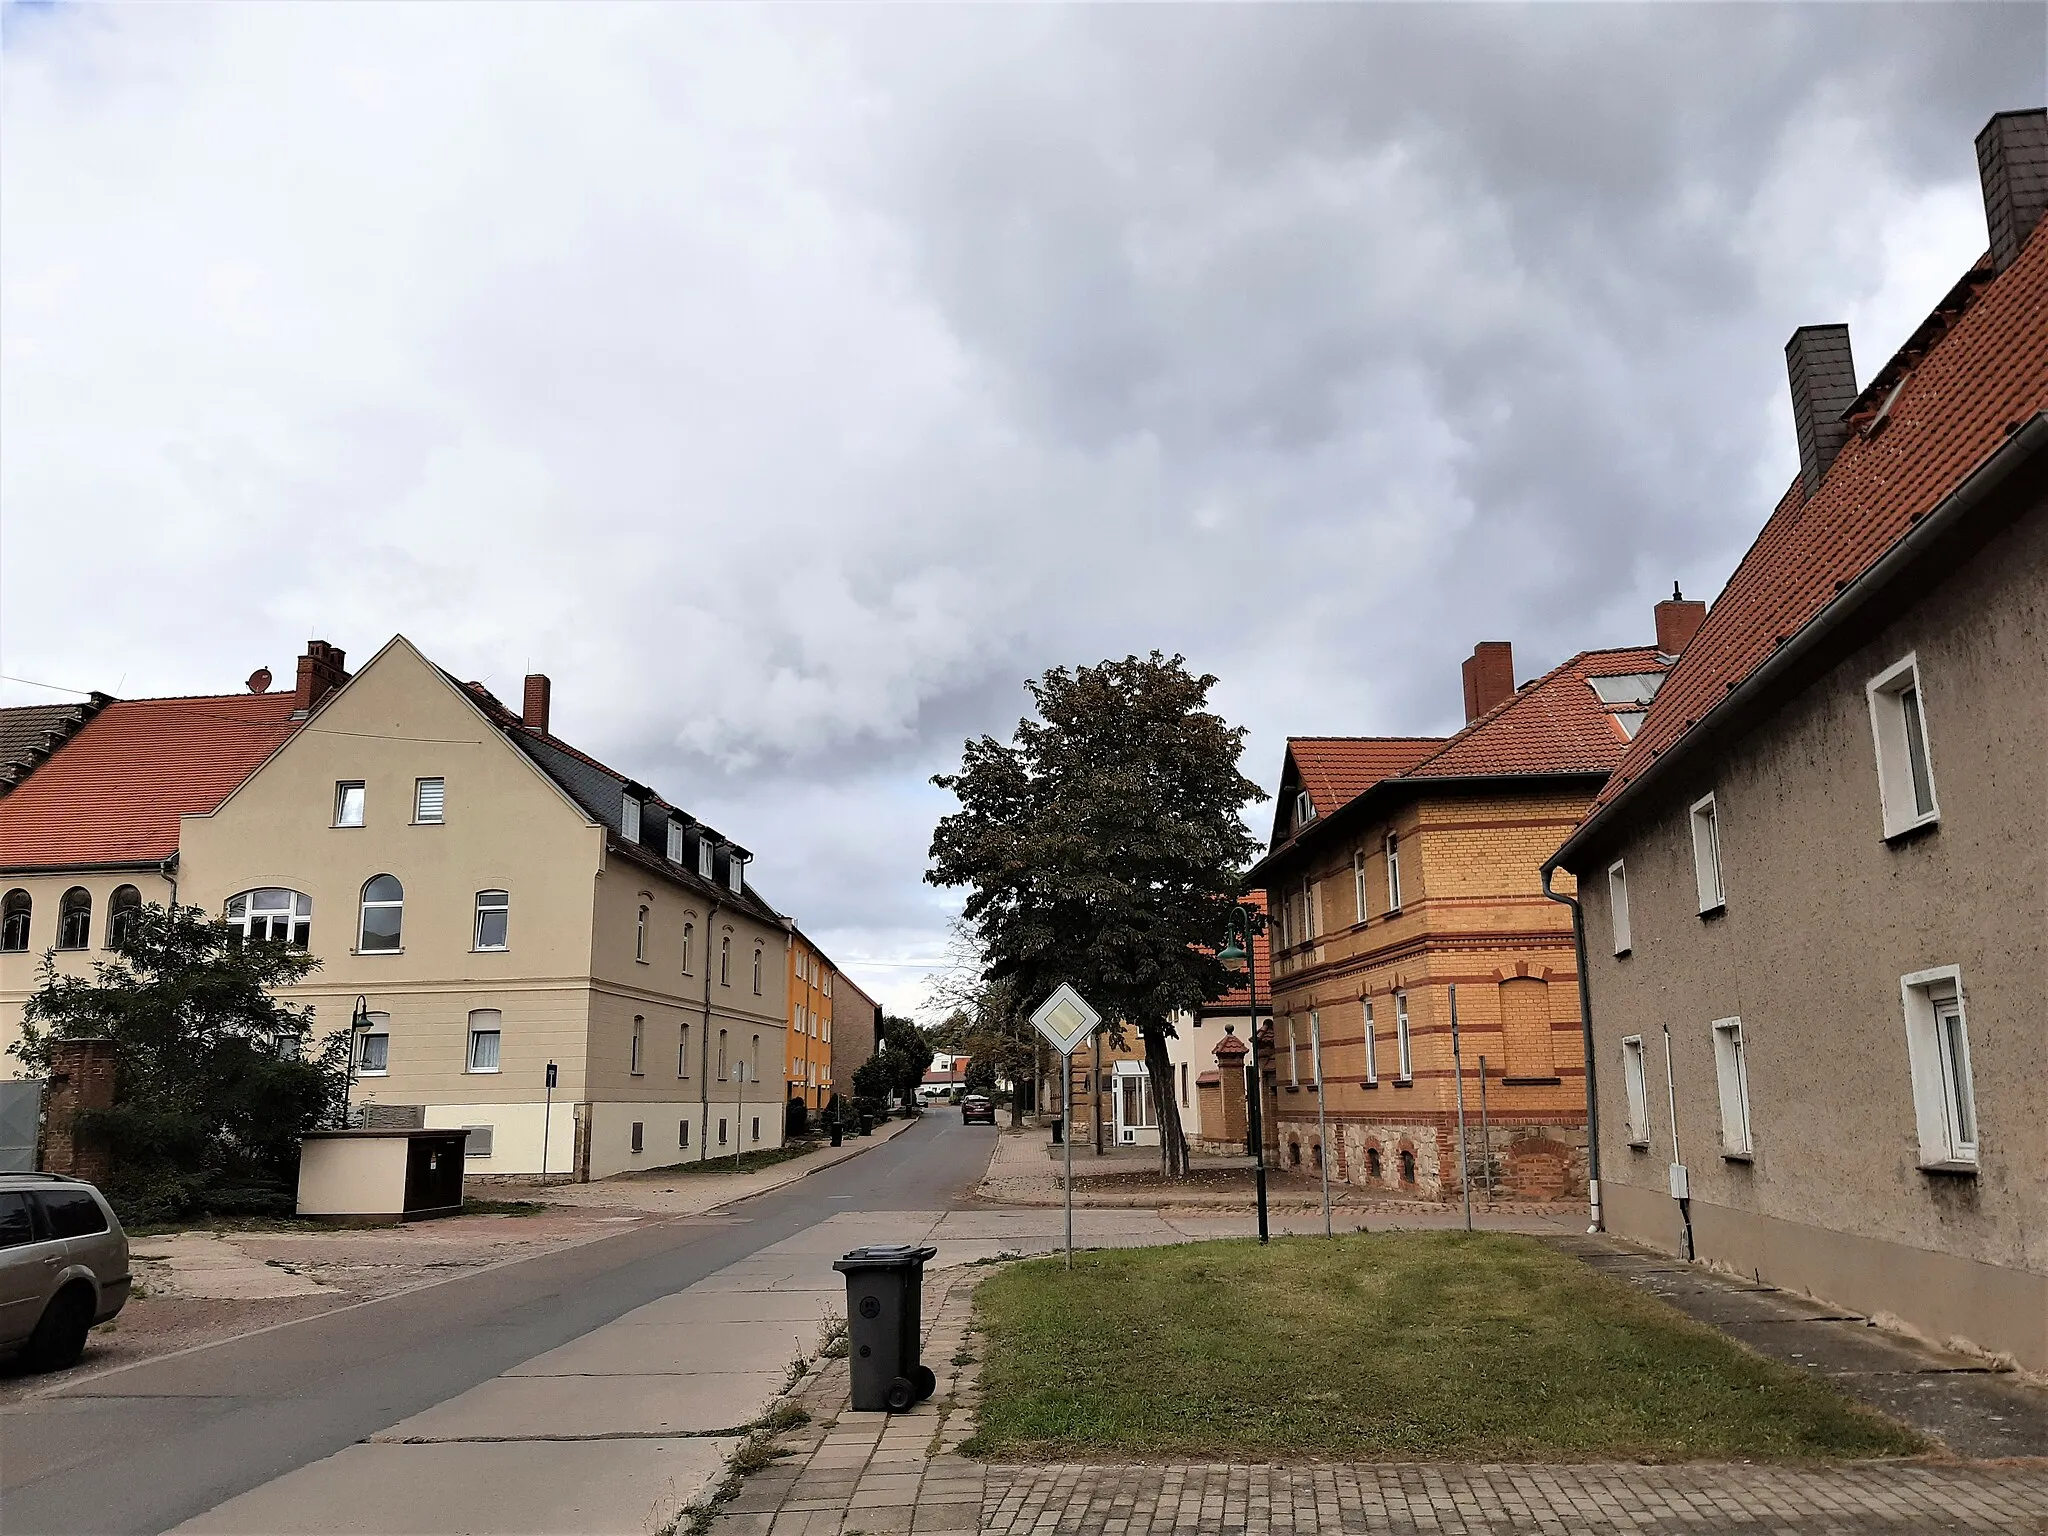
{"x":362,"y":1072}
{"x":490,"y":949}
{"x":372,"y":953}
{"x":72,"y":949}
{"x":346,"y":826}
{"x":481,"y":1072}
{"x":440,"y":824}
{"x":1404,"y":1082}
{"x":1642,"y":1145}
{"x":1898,"y":837}
{"x":1745,"y":1158}
{"x":1953,"y":1166}
{"x":1624,"y":952}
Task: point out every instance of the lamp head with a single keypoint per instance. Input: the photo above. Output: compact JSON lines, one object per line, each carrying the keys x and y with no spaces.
{"x":1232,"y":955}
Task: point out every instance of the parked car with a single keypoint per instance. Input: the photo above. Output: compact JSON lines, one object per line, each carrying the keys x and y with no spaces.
{"x":63,"y":1267}
{"x":977,"y":1106}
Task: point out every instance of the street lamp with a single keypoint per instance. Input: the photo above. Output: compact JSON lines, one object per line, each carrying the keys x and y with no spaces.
{"x":1235,"y":955}
{"x":358,"y":1021}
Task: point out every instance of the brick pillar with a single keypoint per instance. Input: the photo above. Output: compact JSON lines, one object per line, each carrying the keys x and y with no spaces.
{"x":81,"y":1078}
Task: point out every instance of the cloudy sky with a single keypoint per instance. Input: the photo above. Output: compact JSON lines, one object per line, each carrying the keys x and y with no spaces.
{"x":790,"y":383}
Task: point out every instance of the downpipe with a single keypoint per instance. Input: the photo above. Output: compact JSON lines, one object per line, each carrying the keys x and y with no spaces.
{"x":1595,"y":1223}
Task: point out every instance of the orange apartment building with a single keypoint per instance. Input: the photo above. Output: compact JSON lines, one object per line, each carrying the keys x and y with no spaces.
{"x":1403,"y":868}
{"x":808,"y":1069}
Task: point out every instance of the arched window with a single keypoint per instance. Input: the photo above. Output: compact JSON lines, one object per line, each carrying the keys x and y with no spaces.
{"x":273,"y":915}
{"x":121,"y":909}
{"x":383,"y":925}
{"x":640,"y":935}
{"x":74,"y":919}
{"x":725,"y":962}
{"x":757,"y":971}
{"x":15,"y":911}
{"x":689,"y":933}
{"x":493,"y":919}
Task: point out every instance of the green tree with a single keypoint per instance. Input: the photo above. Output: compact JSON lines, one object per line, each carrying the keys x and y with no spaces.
{"x":211,"y":1089}
{"x":903,"y":1054}
{"x":1103,"y":846}
{"x":989,"y":1025}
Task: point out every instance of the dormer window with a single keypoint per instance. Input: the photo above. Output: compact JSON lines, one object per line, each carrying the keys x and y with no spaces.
{"x":629,"y":817}
{"x":675,"y":841}
{"x":736,"y":872}
{"x":1304,"y":808}
{"x":706,"y":858}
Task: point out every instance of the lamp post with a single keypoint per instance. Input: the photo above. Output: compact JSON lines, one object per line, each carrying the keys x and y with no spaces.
{"x":1239,"y":935}
{"x":358,"y":1021}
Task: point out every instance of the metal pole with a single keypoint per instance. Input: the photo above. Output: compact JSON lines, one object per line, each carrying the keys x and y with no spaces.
{"x":1485,"y":1133}
{"x":547,"y":1120}
{"x":1067,"y":1109}
{"x":1677,"y":1159}
{"x":1458,"y":1070}
{"x":1315,"y":1045}
{"x":739,"y":1119}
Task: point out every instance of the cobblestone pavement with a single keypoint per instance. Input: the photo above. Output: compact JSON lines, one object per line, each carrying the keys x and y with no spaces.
{"x":849,"y":1473}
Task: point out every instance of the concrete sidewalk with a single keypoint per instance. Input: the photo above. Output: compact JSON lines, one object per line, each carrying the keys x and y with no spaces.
{"x":691,"y":1193}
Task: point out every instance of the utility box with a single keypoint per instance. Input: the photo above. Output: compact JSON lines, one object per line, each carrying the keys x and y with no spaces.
{"x":390,"y":1173}
{"x":885,"y":1326}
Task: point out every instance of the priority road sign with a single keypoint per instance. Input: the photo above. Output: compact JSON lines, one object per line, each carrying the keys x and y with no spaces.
{"x":1065,"y":1019}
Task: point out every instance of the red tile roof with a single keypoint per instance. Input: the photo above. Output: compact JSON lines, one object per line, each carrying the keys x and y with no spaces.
{"x":113,"y":793}
{"x":1335,"y":770}
{"x":1236,"y":1000}
{"x":1555,"y":724}
{"x":1985,"y":369}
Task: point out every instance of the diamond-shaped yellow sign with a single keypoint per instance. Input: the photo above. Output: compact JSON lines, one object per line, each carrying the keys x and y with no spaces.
{"x":1065,"y":1019}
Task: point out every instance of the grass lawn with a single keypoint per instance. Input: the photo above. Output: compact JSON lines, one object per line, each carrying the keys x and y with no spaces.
{"x":1470,"y":1347}
{"x":749,"y":1162}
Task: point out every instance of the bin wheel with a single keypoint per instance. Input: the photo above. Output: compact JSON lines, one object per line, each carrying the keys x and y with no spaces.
{"x":927,"y":1382}
{"x":901,"y":1395}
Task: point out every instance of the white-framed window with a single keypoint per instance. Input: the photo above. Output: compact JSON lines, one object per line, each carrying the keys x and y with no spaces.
{"x":1393,"y":872}
{"x":1304,"y":808}
{"x":736,"y":872}
{"x":757,"y":970}
{"x":1315,"y":1049}
{"x":373,"y":1053}
{"x":1635,"y":1079}
{"x":725,"y":960}
{"x":721,"y":1056}
{"x":689,"y":935}
{"x":1898,"y":722}
{"x":640,"y":935}
{"x":429,"y":802}
{"x":1372,"y":1052}
{"x":706,"y":858}
{"x":1938,"y":1050}
{"x":629,"y":817}
{"x":675,"y":841}
{"x":1731,"y":1073}
{"x":493,"y":919}
{"x":272,"y":915}
{"x":683,"y":1052}
{"x":1617,"y":906}
{"x":1293,"y":1066}
{"x":486,"y":1031}
{"x":827,"y":984}
{"x":125,"y":905}
{"x":348,"y":803}
{"x":1404,"y":1045}
{"x":639,"y":1042}
{"x":1358,"y":884}
{"x":382,"y":930}
{"x":1706,"y":854}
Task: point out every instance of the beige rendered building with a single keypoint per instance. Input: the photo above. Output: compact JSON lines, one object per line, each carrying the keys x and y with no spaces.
{"x":499,"y":902}
{"x":1816,"y":889}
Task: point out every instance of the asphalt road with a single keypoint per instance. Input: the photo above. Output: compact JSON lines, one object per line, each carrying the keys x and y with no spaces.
{"x":141,"y":1449}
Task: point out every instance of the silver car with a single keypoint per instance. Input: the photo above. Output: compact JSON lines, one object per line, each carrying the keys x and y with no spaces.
{"x":63,"y":1267}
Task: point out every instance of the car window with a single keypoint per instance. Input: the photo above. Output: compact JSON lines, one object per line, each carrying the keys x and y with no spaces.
{"x":16,"y":1227}
{"x":72,"y":1212}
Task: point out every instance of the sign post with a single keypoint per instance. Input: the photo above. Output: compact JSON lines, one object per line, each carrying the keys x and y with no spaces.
{"x":547,"y":1116}
{"x":1065,"y":1019}
{"x":1458,"y":1067}
{"x":739,"y":1076}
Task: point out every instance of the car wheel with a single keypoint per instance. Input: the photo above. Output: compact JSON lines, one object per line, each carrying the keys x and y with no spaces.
{"x":59,"y":1338}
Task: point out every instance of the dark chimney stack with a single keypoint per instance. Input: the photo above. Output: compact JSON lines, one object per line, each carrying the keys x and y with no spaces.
{"x":1489,"y":677}
{"x":1678,"y":621}
{"x":2012,"y":162}
{"x":533,"y":711}
{"x":320,"y":673}
{"x":1823,"y":376}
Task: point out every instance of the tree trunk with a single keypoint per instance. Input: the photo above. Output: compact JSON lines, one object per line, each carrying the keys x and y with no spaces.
{"x":1173,"y":1141}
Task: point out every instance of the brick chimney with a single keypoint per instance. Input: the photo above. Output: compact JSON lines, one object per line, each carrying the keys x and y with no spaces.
{"x":1489,"y":677}
{"x":320,"y":673}
{"x":533,"y":709}
{"x":1678,"y":621}
{"x":2012,"y":163}
{"x":1823,"y":376}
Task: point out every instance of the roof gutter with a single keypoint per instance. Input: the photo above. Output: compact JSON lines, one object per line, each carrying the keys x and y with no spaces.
{"x":1991,"y":475}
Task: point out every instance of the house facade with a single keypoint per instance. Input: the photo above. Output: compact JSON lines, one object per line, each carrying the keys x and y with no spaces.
{"x":1815,"y":893}
{"x":1405,"y":883}
{"x":807,"y":1068}
{"x":856,"y":1026}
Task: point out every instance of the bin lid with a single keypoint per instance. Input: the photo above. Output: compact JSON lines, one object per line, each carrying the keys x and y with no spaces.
{"x":885,"y":1256}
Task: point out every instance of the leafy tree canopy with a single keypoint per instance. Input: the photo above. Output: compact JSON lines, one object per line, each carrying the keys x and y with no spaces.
{"x":211,"y":1089}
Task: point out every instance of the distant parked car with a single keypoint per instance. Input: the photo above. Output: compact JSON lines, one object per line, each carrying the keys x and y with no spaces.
{"x":63,"y":1267}
{"x":977,"y":1106}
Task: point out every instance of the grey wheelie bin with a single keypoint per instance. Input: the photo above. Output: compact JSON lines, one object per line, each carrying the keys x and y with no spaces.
{"x":885,"y":1326}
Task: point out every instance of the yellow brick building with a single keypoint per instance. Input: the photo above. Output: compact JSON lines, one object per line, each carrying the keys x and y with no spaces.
{"x":1406,"y":871}
{"x":808,"y":1066}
